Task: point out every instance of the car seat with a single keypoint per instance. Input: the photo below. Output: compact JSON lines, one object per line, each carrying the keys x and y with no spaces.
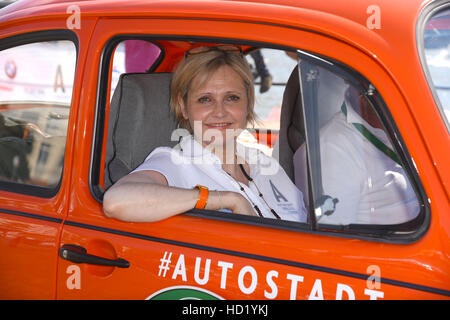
{"x":291,"y":134}
{"x":139,"y":121}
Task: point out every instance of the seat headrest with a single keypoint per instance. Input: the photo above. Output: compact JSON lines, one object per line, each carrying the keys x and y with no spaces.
{"x":139,"y":121}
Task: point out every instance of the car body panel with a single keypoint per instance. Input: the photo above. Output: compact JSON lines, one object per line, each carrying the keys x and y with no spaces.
{"x":245,"y":261}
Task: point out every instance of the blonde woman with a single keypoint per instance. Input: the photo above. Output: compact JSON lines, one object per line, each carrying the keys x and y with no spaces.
{"x":212,"y":96}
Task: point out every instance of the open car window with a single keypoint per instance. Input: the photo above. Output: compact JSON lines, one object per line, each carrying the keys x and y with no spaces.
{"x":320,"y":120}
{"x":137,"y":112}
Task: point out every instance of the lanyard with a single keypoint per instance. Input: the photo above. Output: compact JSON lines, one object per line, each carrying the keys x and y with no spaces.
{"x":373,"y":139}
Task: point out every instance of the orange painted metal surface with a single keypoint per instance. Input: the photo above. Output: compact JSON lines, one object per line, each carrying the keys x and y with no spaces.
{"x":233,"y":260}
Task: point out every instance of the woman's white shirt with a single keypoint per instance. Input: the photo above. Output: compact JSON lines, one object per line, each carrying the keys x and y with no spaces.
{"x":189,"y":164}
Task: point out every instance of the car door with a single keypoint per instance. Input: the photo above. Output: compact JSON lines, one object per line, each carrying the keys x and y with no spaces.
{"x":35,"y":107}
{"x":212,"y":255}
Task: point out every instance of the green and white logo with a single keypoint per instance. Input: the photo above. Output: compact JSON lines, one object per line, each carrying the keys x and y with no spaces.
{"x":184,"y":293}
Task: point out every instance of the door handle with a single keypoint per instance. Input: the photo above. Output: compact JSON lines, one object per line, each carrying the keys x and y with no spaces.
{"x":79,"y":254}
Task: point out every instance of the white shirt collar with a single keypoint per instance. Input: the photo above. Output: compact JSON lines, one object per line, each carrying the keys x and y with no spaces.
{"x":354,"y":117}
{"x":191,"y":149}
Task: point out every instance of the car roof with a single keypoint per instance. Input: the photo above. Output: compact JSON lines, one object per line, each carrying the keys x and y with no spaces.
{"x":340,"y":8}
{"x":394,"y":39}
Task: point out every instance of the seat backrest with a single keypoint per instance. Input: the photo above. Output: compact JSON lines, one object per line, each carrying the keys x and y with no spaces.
{"x":291,"y":135}
{"x":139,"y":121}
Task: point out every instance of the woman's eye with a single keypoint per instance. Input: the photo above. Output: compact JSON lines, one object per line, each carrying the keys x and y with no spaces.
{"x":233,"y":98}
{"x":204,"y":99}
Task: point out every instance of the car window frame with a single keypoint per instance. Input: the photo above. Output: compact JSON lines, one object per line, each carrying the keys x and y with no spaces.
{"x":30,"y":38}
{"x":308,"y":227}
{"x":427,"y":13}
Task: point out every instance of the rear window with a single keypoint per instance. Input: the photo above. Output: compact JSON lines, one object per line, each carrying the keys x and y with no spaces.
{"x":436,"y":46}
{"x":35,"y":96}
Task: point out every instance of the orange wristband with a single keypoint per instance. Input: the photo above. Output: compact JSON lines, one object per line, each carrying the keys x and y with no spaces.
{"x":202,"y":197}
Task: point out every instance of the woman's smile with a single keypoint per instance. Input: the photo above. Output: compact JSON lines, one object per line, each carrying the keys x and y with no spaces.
{"x":219,"y":125}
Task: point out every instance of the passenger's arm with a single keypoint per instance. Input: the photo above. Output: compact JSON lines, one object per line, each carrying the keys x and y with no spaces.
{"x":145,"y":196}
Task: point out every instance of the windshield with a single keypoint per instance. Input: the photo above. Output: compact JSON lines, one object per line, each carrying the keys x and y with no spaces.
{"x":437,"y":56}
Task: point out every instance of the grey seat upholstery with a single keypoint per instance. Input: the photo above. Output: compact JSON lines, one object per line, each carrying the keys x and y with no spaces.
{"x":139,"y":121}
{"x":291,"y":135}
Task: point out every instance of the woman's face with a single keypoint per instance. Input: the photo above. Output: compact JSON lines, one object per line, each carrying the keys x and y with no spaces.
{"x":218,"y":108}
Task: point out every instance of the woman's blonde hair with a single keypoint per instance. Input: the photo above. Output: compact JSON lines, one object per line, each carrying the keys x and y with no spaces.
{"x":204,"y":65}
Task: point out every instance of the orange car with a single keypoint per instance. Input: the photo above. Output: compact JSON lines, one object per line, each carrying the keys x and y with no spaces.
{"x":84,"y":98}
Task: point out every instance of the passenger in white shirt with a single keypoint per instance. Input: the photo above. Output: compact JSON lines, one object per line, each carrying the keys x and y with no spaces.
{"x":370,"y":186}
{"x":212,"y":96}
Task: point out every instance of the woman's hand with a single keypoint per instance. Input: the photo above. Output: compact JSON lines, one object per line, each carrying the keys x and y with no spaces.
{"x":237,"y":204}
